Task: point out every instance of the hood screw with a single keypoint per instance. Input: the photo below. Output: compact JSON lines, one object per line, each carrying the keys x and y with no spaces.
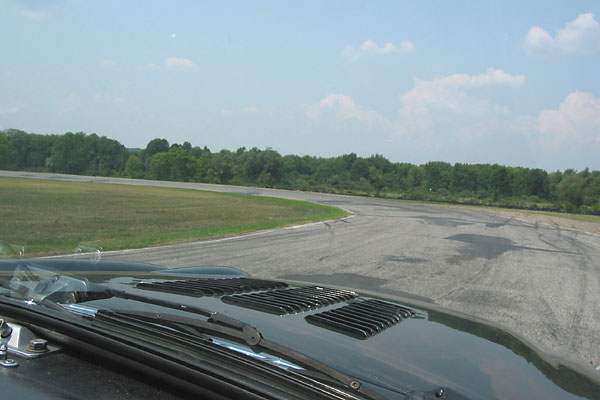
{"x":38,"y":345}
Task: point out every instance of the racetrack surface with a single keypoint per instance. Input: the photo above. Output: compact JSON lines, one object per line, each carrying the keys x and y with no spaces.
{"x":540,"y":281}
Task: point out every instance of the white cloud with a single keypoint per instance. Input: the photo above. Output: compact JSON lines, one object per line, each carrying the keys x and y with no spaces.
{"x":457,"y":93}
{"x":495,"y":77}
{"x":576,"y":122}
{"x":101,"y":97}
{"x":458,"y":118}
{"x":69,"y":103}
{"x":226,"y":112}
{"x":538,"y":40}
{"x":407,"y":46}
{"x":343,"y":108}
{"x":250,"y":110}
{"x":107,"y":98}
{"x":35,"y":10}
{"x":149,"y":67}
{"x":581,"y":35}
{"x":452,"y":101}
{"x":179,"y":62}
{"x":11,"y":108}
{"x":107,"y":63}
{"x":370,"y":48}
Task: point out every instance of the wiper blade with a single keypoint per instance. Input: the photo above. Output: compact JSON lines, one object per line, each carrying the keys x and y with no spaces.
{"x":219,"y":324}
{"x":121,"y":294}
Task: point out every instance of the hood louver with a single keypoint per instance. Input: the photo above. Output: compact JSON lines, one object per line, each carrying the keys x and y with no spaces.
{"x":290,"y":301}
{"x":211,"y":287}
{"x":361,"y":319}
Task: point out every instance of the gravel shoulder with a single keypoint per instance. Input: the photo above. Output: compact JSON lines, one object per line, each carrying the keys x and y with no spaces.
{"x":532,"y":217}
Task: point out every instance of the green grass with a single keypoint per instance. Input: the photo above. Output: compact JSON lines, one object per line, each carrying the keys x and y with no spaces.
{"x":54,"y":217}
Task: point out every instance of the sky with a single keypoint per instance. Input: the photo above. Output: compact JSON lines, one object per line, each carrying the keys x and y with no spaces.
{"x":512,"y":82}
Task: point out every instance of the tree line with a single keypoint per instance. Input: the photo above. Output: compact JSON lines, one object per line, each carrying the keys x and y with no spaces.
{"x":79,"y":153}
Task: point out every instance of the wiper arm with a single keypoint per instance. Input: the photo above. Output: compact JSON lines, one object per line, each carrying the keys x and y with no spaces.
{"x":121,"y":294}
{"x":220,"y":324}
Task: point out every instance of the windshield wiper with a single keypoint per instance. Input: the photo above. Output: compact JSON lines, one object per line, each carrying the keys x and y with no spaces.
{"x":217,"y":324}
{"x":221,"y":325}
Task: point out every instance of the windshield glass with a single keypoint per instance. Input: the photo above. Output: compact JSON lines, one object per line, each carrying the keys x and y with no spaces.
{"x":443,"y":153}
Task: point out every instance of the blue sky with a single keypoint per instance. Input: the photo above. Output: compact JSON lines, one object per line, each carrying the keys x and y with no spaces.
{"x":472,"y":82}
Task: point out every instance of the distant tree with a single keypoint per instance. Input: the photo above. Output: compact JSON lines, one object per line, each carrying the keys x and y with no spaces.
{"x":554,"y":179}
{"x":438,"y":175}
{"x":500,"y":183}
{"x":571,"y":190}
{"x":107,"y":156}
{"x":292,"y":165}
{"x":484,"y":179}
{"x":591,"y":195}
{"x":520,"y":181}
{"x":359,"y":169}
{"x":376,"y":179}
{"x":252,"y":163}
{"x":153,"y":147}
{"x":160,"y":167}
{"x":5,"y":153}
{"x":198,"y":152}
{"x":78,"y":153}
{"x":134,"y":168}
{"x":272,"y":164}
{"x":20,"y":148}
{"x":537,"y":183}
{"x":201,"y":169}
{"x":380,"y":162}
{"x":399,"y":178}
{"x":349,"y":160}
{"x":29,"y":151}
{"x":156,"y":146}
{"x":220,"y":167}
{"x":70,"y":154}
{"x":463,"y":178}
{"x":183,"y":165}
{"x":415,"y":177}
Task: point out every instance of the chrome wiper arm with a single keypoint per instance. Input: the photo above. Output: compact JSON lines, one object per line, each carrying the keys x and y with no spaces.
{"x":221,"y":324}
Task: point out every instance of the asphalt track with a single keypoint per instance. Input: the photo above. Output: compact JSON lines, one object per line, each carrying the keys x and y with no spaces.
{"x":540,"y":281}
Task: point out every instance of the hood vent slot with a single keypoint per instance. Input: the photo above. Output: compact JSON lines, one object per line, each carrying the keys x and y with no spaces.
{"x":361,"y":319}
{"x":290,"y":301}
{"x":211,"y":287}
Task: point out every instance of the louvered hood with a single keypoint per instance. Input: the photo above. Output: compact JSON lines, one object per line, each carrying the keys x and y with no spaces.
{"x":390,"y":342}
{"x":387,"y":341}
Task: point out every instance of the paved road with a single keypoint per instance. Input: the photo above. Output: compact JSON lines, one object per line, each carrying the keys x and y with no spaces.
{"x":540,"y":281}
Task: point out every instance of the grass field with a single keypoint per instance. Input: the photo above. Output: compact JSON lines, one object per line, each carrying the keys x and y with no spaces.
{"x":54,"y":217}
